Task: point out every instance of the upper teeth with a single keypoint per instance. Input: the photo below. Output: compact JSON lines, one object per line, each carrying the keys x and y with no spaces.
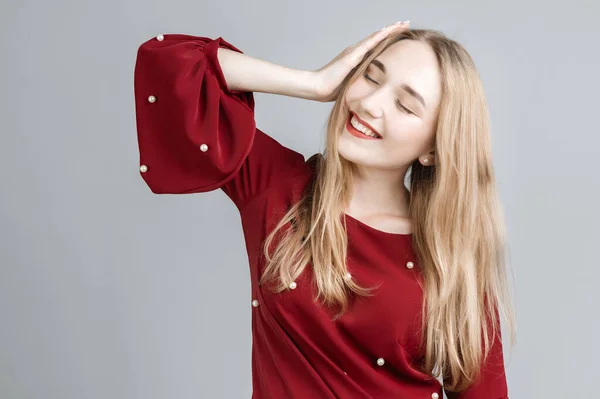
{"x":358,"y":126}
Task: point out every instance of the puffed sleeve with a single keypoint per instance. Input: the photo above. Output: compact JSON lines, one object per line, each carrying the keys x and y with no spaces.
{"x":492,"y":383}
{"x":194,"y":133}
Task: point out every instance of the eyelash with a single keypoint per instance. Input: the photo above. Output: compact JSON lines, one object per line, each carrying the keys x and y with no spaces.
{"x":366,"y":76}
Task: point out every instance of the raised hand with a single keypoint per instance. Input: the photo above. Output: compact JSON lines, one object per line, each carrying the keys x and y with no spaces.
{"x":327,"y":79}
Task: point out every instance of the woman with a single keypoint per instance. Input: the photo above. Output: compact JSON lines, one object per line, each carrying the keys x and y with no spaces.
{"x":361,"y":288}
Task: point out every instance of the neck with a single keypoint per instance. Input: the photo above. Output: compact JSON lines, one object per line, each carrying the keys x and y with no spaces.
{"x":377,"y":191}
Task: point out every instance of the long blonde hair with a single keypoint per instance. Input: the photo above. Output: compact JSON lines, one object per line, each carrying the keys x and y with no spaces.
{"x":459,"y":230}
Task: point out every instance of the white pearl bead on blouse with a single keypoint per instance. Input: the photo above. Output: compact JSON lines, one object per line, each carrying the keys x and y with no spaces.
{"x":203,"y":147}
{"x":255,"y":303}
{"x":380,"y":361}
{"x":410,"y":265}
{"x":293,"y":285}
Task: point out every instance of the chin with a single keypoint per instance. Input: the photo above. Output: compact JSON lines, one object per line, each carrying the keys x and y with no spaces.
{"x":348,"y":150}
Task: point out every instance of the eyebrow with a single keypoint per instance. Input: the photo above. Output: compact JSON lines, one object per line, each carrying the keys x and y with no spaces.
{"x":404,"y":86}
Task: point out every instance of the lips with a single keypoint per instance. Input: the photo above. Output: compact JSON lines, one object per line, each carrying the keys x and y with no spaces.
{"x":357,"y":133}
{"x":365,"y":124}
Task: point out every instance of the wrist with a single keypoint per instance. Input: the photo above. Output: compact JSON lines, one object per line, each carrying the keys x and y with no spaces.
{"x":307,"y":85}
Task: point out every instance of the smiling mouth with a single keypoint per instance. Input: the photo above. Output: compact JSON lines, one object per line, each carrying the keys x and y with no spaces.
{"x":359,"y":130}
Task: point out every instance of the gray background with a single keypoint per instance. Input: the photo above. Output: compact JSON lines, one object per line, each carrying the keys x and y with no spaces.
{"x":109,"y":291}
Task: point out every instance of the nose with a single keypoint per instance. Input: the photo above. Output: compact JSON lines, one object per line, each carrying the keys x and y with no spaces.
{"x":372,"y":104}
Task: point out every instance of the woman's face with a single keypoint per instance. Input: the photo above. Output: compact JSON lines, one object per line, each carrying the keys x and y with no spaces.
{"x":398,"y":98}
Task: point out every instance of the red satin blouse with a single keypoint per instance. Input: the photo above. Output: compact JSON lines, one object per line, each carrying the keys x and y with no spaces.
{"x":197,"y":135}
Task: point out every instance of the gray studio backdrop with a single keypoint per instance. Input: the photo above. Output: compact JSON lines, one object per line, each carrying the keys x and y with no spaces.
{"x":109,"y":291}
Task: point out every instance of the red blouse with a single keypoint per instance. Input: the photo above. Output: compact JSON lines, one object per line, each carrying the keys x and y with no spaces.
{"x":197,"y":135}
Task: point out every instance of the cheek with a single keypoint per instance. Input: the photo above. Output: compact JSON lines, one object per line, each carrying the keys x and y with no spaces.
{"x":355,"y":91}
{"x":349,"y":98}
{"x":407,"y":138}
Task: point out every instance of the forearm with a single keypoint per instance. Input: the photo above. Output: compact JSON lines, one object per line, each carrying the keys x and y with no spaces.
{"x":246,"y":73}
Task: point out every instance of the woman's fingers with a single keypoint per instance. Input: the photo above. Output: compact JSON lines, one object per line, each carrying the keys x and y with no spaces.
{"x":372,"y":40}
{"x":356,"y":52}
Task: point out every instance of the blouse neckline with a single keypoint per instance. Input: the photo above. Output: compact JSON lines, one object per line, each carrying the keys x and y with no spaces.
{"x":377,"y":231}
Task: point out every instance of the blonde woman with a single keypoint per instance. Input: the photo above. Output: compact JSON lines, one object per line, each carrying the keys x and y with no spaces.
{"x":362,"y":286}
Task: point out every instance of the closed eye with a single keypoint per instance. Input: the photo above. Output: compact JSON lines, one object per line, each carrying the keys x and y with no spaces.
{"x":366,"y":76}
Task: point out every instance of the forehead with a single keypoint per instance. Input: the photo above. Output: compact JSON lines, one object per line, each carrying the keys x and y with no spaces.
{"x":414,"y":63}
